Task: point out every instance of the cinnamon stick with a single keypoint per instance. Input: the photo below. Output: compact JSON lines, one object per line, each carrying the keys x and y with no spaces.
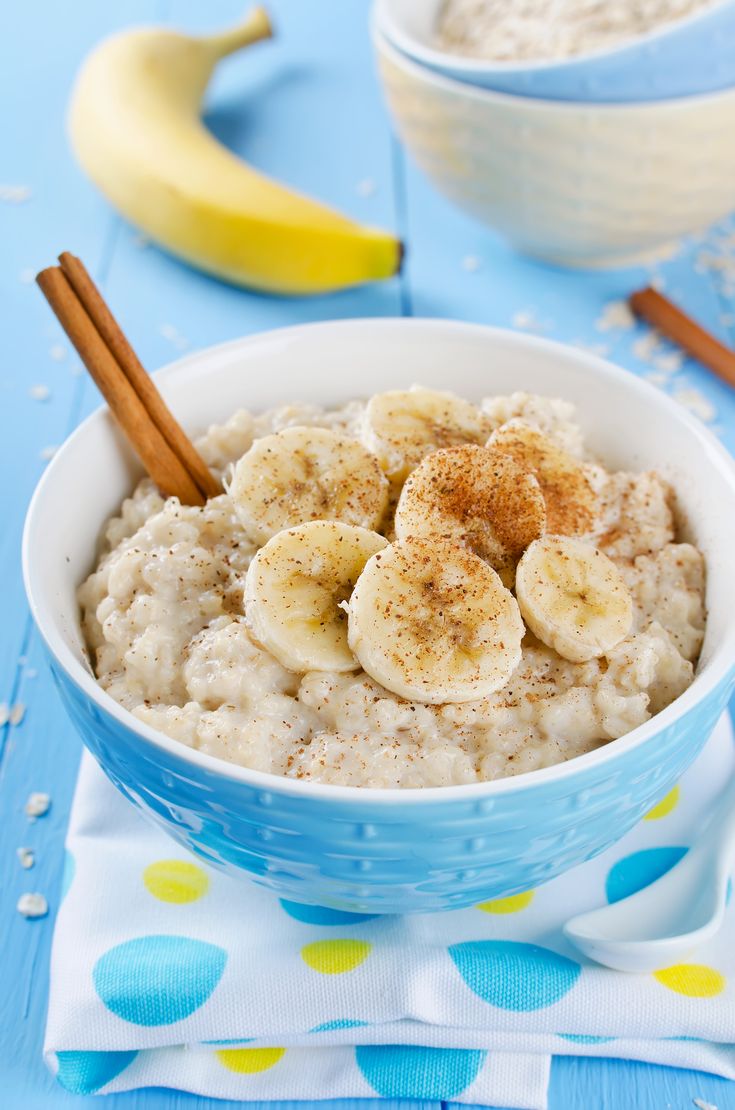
{"x":664,"y":315}
{"x":161,"y":462}
{"x":112,"y":334}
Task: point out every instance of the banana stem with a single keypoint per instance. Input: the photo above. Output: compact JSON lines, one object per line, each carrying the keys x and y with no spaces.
{"x":256,"y":26}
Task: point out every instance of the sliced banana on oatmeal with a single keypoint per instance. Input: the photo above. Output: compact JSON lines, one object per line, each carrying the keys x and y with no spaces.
{"x":296,"y":588}
{"x":477,"y":497}
{"x":404,"y":425}
{"x":302,"y":474}
{"x":433,"y":623}
{"x":573,"y":597}
{"x":570,"y":500}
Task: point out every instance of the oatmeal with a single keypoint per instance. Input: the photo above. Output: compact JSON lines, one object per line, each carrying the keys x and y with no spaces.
{"x":411,"y":592}
{"x":531,"y":30}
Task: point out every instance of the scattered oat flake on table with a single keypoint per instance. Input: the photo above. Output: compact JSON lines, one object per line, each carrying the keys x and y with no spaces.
{"x":646,"y":345}
{"x":30,"y":673}
{"x":32,"y":905}
{"x":15,"y":194}
{"x":57,"y":352}
{"x":4,"y":713}
{"x":17,"y":713}
{"x":668,"y":361}
{"x":526,"y":320}
{"x":702,"y":1104}
{"x":39,"y":392}
{"x":38,"y":804}
{"x":47,"y":453}
{"x":367,"y":187}
{"x":26,"y":857}
{"x":615,"y":316}
{"x":471,"y":263}
{"x":168,"y":331}
{"x":696,"y":403}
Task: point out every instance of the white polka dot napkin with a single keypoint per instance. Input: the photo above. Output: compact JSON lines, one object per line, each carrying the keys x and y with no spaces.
{"x":166,"y":973}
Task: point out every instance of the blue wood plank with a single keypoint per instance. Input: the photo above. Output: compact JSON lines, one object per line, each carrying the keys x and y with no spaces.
{"x":315,"y":86}
{"x":34,"y":156}
{"x":578,"y":1084}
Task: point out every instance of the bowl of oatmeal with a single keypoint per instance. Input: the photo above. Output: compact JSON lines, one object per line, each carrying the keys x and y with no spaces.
{"x":427,"y":648}
{"x":571,"y":183}
{"x":578,"y":50}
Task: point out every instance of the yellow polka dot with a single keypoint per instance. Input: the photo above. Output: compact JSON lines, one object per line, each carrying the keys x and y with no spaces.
{"x":664,"y":807}
{"x":176,"y":880}
{"x":513,"y":904}
{"x":332,"y":957}
{"x":246,"y":1061}
{"x":694,"y":980}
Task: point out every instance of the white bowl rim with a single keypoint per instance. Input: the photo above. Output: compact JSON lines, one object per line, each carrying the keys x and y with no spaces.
{"x":704,"y":682}
{"x":446,"y":59}
{"x":536,"y":103}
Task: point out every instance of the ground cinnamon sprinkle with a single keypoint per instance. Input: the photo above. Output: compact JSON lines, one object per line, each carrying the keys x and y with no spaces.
{"x":570,"y":500}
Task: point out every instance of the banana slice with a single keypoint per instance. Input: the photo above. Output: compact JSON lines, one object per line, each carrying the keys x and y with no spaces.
{"x":295,"y":590}
{"x":573,"y":598}
{"x":570,"y":500}
{"x":476,"y":497}
{"x":433,"y":623}
{"x":403,"y":426}
{"x":302,"y":474}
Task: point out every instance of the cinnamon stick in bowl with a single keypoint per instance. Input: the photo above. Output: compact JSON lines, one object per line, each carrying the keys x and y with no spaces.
{"x":165,"y":450}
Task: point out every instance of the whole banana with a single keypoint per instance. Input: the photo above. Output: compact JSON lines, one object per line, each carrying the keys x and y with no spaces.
{"x":136,"y":129}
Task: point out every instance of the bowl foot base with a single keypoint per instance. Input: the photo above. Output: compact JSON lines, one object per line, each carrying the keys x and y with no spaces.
{"x":646,"y":257}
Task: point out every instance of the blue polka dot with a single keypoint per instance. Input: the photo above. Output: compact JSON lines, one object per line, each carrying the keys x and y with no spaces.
{"x":320,"y":915}
{"x":83,"y":1073}
{"x":339,"y":1023}
{"x":514,"y":976}
{"x":584,"y":1038}
{"x":634,"y":872}
{"x":404,"y":1071}
{"x":68,"y":873}
{"x":158,"y":980}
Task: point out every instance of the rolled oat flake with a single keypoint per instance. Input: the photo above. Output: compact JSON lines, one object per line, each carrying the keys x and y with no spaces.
{"x":32,"y":905}
{"x":38,"y":804}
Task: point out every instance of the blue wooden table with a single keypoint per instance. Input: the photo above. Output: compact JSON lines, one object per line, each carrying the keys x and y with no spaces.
{"x":306,"y":108}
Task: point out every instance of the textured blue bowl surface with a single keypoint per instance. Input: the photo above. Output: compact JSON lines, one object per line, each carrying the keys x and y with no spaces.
{"x":687,"y":58}
{"x":360,"y":856}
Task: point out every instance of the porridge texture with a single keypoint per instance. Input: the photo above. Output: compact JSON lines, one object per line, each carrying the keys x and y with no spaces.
{"x":531,"y":30}
{"x":291,"y":667}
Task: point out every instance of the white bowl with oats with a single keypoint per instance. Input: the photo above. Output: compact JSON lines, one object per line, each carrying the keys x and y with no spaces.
{"x":503,"y":613}
{"x":575,"y":50}
{"x":576,"y":184}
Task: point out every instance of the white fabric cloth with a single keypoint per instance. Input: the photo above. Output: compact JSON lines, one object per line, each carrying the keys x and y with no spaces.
{"x":166,"y":973}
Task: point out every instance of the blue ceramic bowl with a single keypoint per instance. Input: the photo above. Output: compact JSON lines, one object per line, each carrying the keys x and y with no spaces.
{"x":388,"y":851}
{"x":691,"y":56}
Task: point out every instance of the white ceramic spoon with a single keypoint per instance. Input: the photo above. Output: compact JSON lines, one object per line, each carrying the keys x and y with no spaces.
{"x":660,"y":924}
